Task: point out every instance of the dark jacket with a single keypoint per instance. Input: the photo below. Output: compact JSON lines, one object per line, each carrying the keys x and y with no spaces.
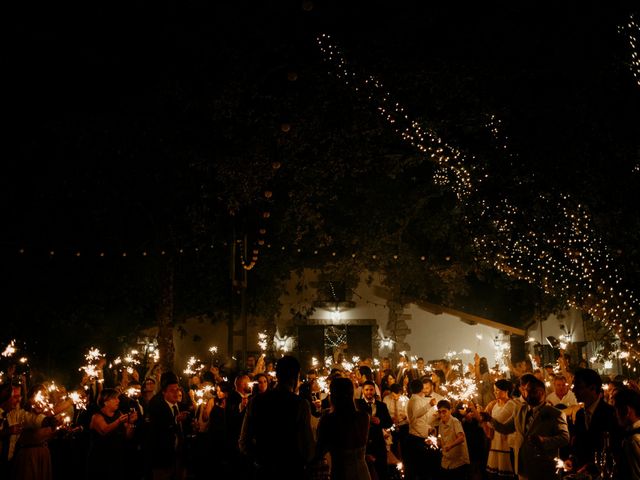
{"x":165,"y":435}
{"x":276,"y":433}
{"x":376,"y":445}
{"x":603,"y":429}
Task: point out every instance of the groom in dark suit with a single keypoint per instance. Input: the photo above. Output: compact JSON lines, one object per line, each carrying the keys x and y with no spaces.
{"x":165,"y":431}
{"x":380,"y":419}
{"x":541,"y":430}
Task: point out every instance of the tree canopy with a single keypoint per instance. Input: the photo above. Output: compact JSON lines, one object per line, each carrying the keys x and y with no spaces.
{"x":184,"y":128}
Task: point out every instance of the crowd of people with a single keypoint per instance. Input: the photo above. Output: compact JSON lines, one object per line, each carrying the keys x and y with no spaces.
{"x":368,"y":420}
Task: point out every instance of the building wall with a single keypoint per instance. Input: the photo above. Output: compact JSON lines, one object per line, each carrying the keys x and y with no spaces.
{"x":431,"y":335}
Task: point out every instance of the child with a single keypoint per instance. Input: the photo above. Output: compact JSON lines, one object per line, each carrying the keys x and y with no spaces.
{"x":455,"y":455}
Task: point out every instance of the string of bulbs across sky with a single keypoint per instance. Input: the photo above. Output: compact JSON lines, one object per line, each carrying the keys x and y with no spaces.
{"x":569,"y":260}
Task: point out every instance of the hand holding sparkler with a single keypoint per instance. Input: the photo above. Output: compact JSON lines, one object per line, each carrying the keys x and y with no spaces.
{"x":132,"y":417}
{"x":260,"y":364}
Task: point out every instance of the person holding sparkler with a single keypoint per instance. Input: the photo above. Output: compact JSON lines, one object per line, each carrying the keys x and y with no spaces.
{"x":502,"y":409}
{"x":397,"y":405}
{"x":420,"y":455}
{"x":455,"y":454}
{"x":110,"y":430}
{"x":542,"y":431}
{"x":166,"y":430}
{"x":32,"y":459}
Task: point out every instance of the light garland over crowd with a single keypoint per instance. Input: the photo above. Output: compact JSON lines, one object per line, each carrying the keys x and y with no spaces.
{"x":632,"y":29}
{"x":569,"y":259}
{"x":454,"y":169}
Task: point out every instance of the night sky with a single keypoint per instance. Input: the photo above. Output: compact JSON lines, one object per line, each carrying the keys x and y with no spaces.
{"x":136,"y":126}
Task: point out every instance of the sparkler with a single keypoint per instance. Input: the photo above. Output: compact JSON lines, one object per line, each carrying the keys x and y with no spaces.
{"x":322,"y":383}
{"x":192,"y":366}
{"x":133,"y":392}
{"x":79,"y":400}
{"x":262,"y":342}
{"x":432,"y":442}
{"x":154,"y":353}
{"x":213,"y":350}
{"x":347,"y":366}
{"x":41,"y":402}
{"x":10,"y":349}
{"x":66,"y":421}
{"x":93,"y":355}
{"x":560,"y":465}
{"x":91,"y":370}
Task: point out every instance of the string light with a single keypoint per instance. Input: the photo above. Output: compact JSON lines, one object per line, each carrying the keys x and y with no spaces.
{"x":453,"y":166}
{"x":568,"y":260}
{"x":633,"y":32}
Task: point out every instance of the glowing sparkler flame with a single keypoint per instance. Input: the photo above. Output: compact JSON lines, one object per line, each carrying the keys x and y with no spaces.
{"x":560,"y":466}
{"x":93,"y":354}
{"x":133,"y":392}
{"x":79,"y":400}
{"x":432,"y":442}
{"x":262,"y":341}
{"x":10,"y":350}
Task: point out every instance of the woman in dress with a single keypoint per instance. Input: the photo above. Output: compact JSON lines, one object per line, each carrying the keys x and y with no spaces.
{"x":343,"y":433}
{"x":32,"y":459}
{"x":499,"y":463}
{"x":110,"y":431}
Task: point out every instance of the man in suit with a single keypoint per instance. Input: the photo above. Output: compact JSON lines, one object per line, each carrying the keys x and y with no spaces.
{"x":379,"y":420}
{"x":596,"y":427}
{"x":276,"y":431}
{"x":542,"y":430}
{"x":627,"y":405}
{"x":165,"y":431}
{"x":235,"y":408}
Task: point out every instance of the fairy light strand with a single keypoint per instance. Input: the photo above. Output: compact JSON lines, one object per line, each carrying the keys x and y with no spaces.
{"x":569,"y":259}
{"x":453,"y":170}
{"x":632,"y":29}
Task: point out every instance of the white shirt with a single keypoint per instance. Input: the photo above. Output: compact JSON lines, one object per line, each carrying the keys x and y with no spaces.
{"x":397,"y":408}
{"x":568,"y":400}
{"x":421,"y":415}
{"x":458,"y":455}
